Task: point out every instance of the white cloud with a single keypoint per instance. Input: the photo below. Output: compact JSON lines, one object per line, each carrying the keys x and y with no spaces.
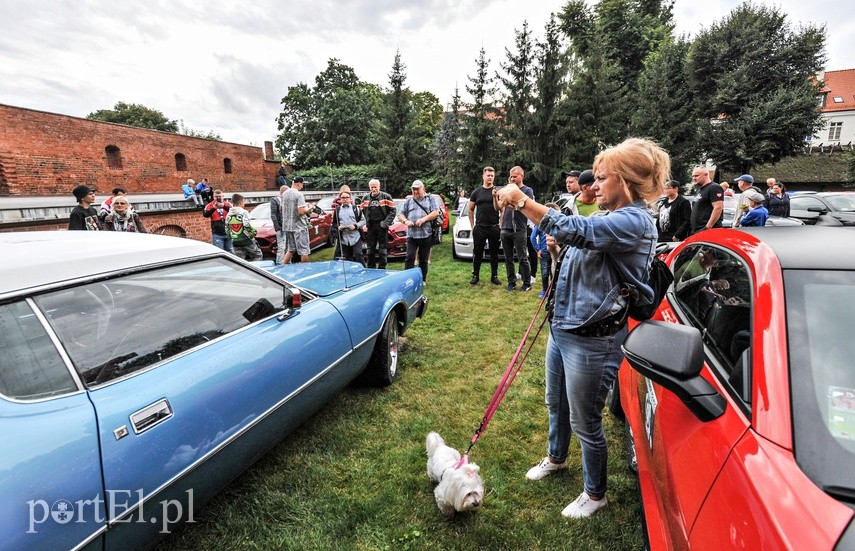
{"x":225,"y":66}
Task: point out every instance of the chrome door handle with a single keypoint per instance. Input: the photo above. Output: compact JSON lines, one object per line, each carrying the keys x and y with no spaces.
{"x":151,"y":416}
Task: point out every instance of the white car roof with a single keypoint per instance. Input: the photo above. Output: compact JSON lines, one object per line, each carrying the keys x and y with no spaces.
{"x":36,"y":259}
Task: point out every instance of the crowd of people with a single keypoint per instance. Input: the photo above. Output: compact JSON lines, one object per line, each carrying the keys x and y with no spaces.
{"x":599,"y":242}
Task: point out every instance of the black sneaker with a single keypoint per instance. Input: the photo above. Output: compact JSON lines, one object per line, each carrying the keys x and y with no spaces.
{"x":474,"y":280}
{"x":525,"y":287}
{"x":512,"y":286}
{"x":495,"y":280}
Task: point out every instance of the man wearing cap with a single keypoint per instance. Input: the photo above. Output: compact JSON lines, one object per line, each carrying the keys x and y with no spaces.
{"x":295,"y":223}
{"x":484,"y":221}
{"x":757,"y":213}
{"x":84,"y":216}
{"x":675,"y":212}
{"x":708,"y":208}
{"x":583,"y":203}
{"x":745,"y":183}
{"x":416,"y":213}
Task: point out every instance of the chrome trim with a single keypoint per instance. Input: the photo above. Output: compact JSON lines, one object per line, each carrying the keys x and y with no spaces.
{"x":66,"y":360}
{"x":150,"y":416}
{"x":131,"y":510}
{"x":91,"y":537}
{"x":56,"y":343}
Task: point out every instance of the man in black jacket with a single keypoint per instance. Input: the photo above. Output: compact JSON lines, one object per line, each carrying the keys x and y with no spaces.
{"x":379,"y":211}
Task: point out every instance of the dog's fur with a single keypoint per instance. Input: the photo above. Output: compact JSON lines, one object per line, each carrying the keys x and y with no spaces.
{"x":459,"y":489}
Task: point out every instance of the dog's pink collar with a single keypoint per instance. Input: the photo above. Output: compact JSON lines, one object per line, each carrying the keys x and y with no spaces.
{"x":463,"y":461}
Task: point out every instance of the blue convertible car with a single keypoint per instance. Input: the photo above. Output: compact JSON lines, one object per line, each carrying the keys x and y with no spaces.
{"x":140,"y":374}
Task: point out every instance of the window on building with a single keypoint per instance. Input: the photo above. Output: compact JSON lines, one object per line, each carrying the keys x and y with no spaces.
{"x":114,"y":157}
{"x":180,"y":162}
{"x":822,"y":99}
{"x":838,"y":99}
{"x":834,"y":130}
{"x":227,"y":165}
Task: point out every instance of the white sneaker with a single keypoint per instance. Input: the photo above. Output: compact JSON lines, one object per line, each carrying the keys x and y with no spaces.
{"x":583,"y":506}
{"x":544,"y":469}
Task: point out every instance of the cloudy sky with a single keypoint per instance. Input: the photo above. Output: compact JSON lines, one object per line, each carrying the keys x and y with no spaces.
{"x":225,"y":65}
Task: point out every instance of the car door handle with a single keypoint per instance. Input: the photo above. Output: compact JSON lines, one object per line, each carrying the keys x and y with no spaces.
{"x":151,"y":416}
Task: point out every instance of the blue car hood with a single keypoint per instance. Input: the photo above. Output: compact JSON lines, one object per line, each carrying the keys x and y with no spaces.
{"x":324,"y":278}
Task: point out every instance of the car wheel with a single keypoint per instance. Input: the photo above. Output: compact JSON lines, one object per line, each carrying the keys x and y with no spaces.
{"x":613,"y":401}
{"x":383,"y":366}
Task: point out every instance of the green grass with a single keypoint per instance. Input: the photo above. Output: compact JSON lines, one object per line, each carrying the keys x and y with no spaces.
{"x":353,"y":476}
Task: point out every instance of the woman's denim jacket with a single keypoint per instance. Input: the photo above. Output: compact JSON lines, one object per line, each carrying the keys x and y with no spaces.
{"x":588,"y":287}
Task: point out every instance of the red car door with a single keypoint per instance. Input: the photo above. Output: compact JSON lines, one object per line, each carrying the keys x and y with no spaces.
{"x":680,"y":456}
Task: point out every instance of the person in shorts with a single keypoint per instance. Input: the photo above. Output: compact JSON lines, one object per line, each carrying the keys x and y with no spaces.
{"x":295,"y":212}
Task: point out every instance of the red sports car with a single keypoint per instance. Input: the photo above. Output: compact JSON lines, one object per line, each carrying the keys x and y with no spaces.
{"x":319,"y":230}
{"x":740,"y":395}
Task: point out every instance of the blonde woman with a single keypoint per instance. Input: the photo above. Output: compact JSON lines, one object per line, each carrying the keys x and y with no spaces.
{"x":121,"y":218}
{"x":588,"y":324}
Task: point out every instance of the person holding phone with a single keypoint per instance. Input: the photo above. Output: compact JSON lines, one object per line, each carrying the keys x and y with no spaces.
{"x":217,"y":210}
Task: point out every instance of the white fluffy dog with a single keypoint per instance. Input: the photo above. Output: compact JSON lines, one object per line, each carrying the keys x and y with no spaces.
{"x":460,"y":487}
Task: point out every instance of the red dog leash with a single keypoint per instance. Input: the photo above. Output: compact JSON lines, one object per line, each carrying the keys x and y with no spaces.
{"x":510,"y":374}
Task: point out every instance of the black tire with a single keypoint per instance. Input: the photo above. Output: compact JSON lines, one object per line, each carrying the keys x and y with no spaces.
{"x":383,"y":366}
{"x":454,"y":251}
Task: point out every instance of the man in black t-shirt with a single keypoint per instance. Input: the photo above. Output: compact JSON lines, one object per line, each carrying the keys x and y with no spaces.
{"x":484,"y":221}
{"x":708,"y":208}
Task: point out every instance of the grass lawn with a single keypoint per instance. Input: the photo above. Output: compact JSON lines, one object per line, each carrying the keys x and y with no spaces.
{"x":353,"y":476}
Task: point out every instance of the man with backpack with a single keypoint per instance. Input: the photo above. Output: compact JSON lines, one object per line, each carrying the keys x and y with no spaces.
{"x":349,"y":220}
{"x":240,"y":230}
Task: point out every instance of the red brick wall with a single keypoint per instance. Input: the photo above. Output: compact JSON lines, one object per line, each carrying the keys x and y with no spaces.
{"x":47,"y":154}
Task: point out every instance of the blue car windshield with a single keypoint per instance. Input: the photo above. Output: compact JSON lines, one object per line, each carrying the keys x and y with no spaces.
{"x":820,"y":307}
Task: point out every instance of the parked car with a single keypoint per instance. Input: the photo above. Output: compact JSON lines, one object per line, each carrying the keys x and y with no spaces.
{"x":319,"y":230}
{"x":816,"y":208}
{"x":142,"y":373}
{"x":740,"y":394}
{"x":729,"y":211}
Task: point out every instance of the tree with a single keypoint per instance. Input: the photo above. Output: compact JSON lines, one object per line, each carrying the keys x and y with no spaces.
{"x":399,"y":150}
{"x":666,"y":110}
{"x":335,"y":122}
{"x":754,"y":78}
{"x":612,"y":40}
{"x":480,"y":144}
{"x":134,"y":114}
{"x":518,"y":98}
{"x":208,"y":135}
{"x":447,"y":157}
{"x":547,"y":123}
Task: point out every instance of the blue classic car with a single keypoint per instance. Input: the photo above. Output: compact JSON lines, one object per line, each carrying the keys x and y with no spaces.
{"x":140,"y":374}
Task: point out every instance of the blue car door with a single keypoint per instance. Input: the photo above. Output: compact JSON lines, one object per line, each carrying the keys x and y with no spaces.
{"x":51,"y":495}
{"x":196,"y":381}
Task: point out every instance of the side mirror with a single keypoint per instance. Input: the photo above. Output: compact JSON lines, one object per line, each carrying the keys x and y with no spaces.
{"x":672,"y":356}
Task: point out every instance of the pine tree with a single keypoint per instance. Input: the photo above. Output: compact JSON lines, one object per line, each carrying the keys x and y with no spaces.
{"x":480,"y":126}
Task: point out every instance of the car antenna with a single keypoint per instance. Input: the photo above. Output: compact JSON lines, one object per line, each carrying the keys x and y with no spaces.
{"x":341,"y":252}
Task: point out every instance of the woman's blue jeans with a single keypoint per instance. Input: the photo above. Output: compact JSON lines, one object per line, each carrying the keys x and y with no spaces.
{"x":579,"y":373}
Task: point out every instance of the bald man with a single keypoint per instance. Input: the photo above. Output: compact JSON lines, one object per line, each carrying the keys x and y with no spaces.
{"x":709,"y":205}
